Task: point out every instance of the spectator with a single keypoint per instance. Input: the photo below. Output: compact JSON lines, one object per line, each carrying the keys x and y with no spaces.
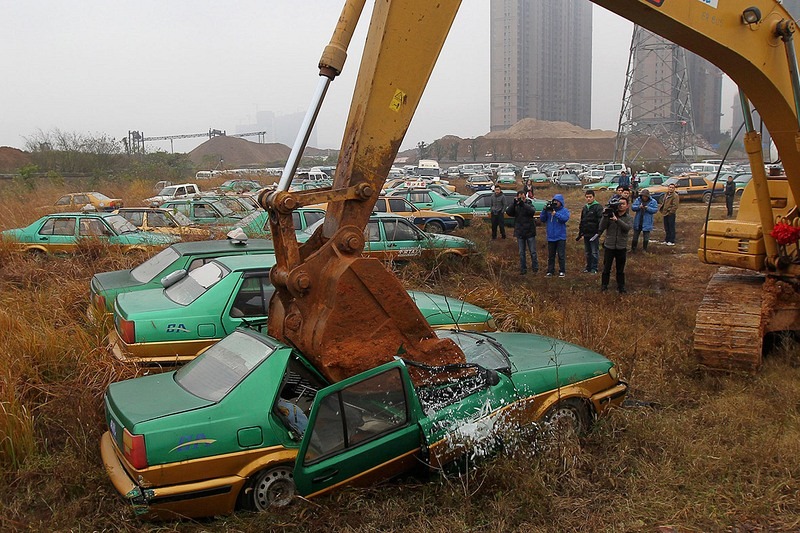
{"x":644,"y":207}
{"x":524,"y":230}
{"x":589,"y":226}
{"x":669,"y":206}
{"x":625,"y":179}
{"x":617,"y":227}
{"x":730,"y":193}
{"x":555,"y":218}
{"x":498,"y":207}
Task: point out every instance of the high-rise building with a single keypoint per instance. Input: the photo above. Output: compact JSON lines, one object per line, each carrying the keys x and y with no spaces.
{"x":705,"y":88}
{"x":541,"y":61}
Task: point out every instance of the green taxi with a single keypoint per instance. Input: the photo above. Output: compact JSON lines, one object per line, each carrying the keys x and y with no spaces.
{"x":389,"y":237}
{"x":104,"y":287}
{"x":432,"y":200}
{"x":481,"y":204}
{"x":194,"y":310}
{"x":251,"y":424}
{"x":63,"y":233}
{"x":205,"y":210}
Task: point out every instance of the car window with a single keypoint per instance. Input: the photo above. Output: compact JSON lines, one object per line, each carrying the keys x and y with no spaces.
{"x":253,"y":297}
{"x":196,"y":283}
{"x":81,"y":199}
{"x":297,"y":223}
{"x":222,"y":209}
{"x":197,"y":263}
{"x":120,"y":225}
{"x":372,"y":232}
{"x":219,"y":369}
{"x":148,"y":270}
{"x":380,"y":205}
{"x":399,"y":230}
{"x":478,"y":349}
{"x":358,"y":414}
{"x":167,"y":191}
{"x":312,"y":216}
{"x":134,"y":217}
{"x":94,"y":227}
{"x":58,"y":226}
{"x":180,"y":190}
{"x":698,"y":182}
{"x":157,"y":219}
{"x":100,"y":196}
{"x":483,"y":201}
{"x":420,"y":198}
{"x":204,"y":211}
{"x":182,"y":208}
{"x":64,"y":200}
{"x":400,"y":205}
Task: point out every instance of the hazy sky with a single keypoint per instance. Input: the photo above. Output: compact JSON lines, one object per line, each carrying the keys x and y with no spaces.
{"x":179,"y":67}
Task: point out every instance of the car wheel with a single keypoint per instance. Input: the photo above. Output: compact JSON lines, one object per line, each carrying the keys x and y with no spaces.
{"x":570,"y":415}
{"x":37,"y":254}
{"x":460,"y":222}
{"x":269,"y":488}
{"x":434,"y":226}
{"x":707,"y":197}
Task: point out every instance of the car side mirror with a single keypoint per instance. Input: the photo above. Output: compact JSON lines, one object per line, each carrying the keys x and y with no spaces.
{"x":492,"y":377}
{"x":173,"y":277}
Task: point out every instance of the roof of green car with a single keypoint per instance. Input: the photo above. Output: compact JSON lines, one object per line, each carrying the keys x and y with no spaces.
{"x":221,"y":245}
{"x":247,"y":262}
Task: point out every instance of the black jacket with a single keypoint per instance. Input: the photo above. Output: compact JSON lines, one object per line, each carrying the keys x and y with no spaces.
{"x":524,"y":218}
{"x":591,"y":214}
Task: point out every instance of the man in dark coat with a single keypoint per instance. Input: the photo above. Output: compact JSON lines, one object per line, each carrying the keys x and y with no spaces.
{"x":524,"y":214}
{"x":730,"y":193}
{"x":589,"y":228}
{"x":497,"y":208}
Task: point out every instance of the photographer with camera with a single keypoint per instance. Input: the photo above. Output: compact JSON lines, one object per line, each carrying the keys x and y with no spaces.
{"x":589,"y":229}
{"x":524,"y":230}
{"x":555,"y":217}
{"x":617,"y":224}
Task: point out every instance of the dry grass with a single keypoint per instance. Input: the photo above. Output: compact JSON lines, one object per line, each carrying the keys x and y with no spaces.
{"x":700,"y":453}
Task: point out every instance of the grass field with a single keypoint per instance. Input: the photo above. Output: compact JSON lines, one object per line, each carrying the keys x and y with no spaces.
{"x":695,"y":451}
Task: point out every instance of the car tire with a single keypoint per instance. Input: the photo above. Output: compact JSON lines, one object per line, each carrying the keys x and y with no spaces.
{"x":269,"y":488}
{"x":568,"y":415}
{"x":434,"y":226}
{"x":460,"y":222}
{"x":707,"y":197}
{"x":37,"y":254}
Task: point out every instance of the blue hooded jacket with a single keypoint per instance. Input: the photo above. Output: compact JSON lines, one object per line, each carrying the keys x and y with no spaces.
{"x":556,"y":221}
{"x":644,"y":213}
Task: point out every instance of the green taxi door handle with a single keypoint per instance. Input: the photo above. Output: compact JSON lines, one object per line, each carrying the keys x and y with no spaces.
{"x":43,"y":238}
{"x":325,"y":477}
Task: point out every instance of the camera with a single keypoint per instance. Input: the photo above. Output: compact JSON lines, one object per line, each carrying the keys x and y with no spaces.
{"x":550,"y":206}
{"x":611,"y":208}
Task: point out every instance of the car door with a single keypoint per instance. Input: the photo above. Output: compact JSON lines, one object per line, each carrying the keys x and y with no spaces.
{"x":403,"y":239}
{"x":362,"y":430}
{"x":249,"y":304}
{"x":421,"y":199}
{"x":204,"y":213}
{"x":57,"y":234}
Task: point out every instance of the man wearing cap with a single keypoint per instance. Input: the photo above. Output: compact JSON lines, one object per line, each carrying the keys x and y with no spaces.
{"x":524,"y":212}
{"x":497,"y":208}
{"x":644,"y":207}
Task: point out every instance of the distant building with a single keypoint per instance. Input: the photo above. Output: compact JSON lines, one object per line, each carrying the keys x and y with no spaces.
{"x":705,"y":88}
{"x":278,"y":128}
{"x":541,"y":61}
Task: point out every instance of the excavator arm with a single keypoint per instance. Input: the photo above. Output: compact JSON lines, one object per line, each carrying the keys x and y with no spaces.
{"x":347,"y":313}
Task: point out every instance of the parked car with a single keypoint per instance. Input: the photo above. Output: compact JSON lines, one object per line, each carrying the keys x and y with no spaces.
{"x":480,"y":203}
{"x":568,"y":180}
{"x":159,"y":220}
{"x":479,"y":182}
{"x":506,"y":177}
{"x":106,"y":286}
{"x":75,"y":201}
{"x":63,"y":232}
{"x":256,"y":224}
{"x":203,"y":210}
{"x":538,"y":180}
{"x":182,"y":190}
{"x":430,"y":221}
{"x":593,"y":175}
{"x":689,"y":187}
{"x":678,"y":168}
{"x":240,"y":185}
{"x":390,"y":237}
{"x":429,"y":199}
{"x":608,"y":183}
{"x":195,"y":309}
{"x":250,"y":423}
{"x":651,"y":180}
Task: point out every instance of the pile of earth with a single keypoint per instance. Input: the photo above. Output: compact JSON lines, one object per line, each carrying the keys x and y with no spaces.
{"x":237,"y":153}
{"x":531,"y":128}
{"x":12,"y":159}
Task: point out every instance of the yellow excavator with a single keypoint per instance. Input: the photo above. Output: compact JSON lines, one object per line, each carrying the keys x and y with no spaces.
{"x":347,"y":313}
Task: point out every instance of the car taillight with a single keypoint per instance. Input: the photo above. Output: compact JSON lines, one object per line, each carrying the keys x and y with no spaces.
{"x":134,"y":450}
{"x":100,"y":302}
{"x":127,"y":331}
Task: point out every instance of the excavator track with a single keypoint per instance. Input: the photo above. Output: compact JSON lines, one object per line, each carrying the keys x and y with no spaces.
{"x":730,"y":326}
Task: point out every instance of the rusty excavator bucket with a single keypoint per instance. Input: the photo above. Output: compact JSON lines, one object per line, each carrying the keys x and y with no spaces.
{"x":344,"y":312}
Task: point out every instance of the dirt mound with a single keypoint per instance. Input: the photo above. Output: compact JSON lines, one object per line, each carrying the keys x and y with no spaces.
{"x":238,"y":152}
{"x":12,"y":158}
{"x":531,"y":128}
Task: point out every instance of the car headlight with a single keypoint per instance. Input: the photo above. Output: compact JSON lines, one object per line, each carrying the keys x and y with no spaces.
{"x":613,"y":373}
{"x":491,"y":324}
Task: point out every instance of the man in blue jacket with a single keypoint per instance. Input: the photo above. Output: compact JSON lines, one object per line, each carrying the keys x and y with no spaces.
{"x":644,"y":207}
{"x":555,"y":217}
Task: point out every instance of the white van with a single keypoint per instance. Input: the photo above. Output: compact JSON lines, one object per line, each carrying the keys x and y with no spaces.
{"x":203,"y":175}
{"x":704,"y":167}
{"x":428,"y":167}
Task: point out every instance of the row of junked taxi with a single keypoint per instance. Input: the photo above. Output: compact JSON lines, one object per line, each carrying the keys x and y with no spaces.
{"x":242,"y":421}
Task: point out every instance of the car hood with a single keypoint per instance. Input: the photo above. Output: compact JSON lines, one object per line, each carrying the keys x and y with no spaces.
{"x":138,"y":400}
{"x":540,"y":362}
{"x":449,"y":241}
{"x":149,"y":238}
{"x":440,"y":310}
